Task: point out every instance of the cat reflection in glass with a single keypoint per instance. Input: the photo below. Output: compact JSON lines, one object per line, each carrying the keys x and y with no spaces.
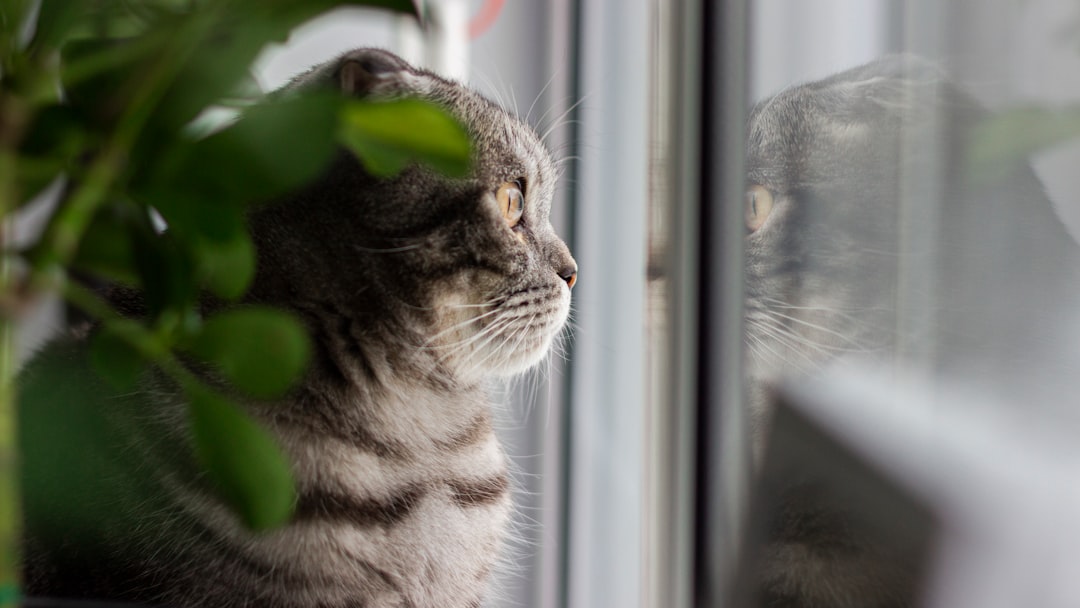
{"x":853,"y":181}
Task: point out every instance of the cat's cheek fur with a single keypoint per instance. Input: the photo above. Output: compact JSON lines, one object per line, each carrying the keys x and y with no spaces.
{"x":547,"y":310}
{"x":504,"y":335}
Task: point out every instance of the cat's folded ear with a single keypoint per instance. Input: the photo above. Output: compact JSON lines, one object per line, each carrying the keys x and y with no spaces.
{"x":899,"y":88}
{"x":366,"y":71}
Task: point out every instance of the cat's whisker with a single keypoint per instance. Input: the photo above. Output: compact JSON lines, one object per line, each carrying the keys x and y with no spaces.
{"x":768,"y":347}
{"x":513,"y":98}
{"x":552,"y":370}
{"x":498,"y":92}
{"x":477,"y":343}
{"x":854,"y":322}
{"x":755,"y":347}
{"x":479,"y":347}
{"x":534,"y":379}
{"x":525,"y":333}
{"x":566,"y":160}
{"x":536,"y":99}
{"x":798,"y":343}
{"x":558,"y":344}
{"x":486,"y":304}
{"x":544,"y":373}
{"x":795,"y":339}
{"x":561,"y":118}
{"x":777,"y":327}
{"x":846,"y":312}
{"x":511,"y":321}
{"x":519,"y":333}
{"x":452,"y":348}
{"x":471,"y":343}
{"x":814,"y":326}
{"x":459,"y":325}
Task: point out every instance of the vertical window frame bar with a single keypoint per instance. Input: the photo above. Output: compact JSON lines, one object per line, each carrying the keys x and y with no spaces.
{"x":724,"y":451}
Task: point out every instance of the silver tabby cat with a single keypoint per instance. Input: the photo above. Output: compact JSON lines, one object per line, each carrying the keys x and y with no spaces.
{"x":416,"y":290}
{"x":832,"y":167}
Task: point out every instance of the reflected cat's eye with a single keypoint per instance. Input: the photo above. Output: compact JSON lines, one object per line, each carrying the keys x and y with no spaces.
{"x":511,"y":202}
{"x":759,"y":203}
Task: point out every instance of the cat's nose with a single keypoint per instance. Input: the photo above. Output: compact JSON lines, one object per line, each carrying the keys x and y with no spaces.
{"x":562,"y":262}
{"x":569,"y":274}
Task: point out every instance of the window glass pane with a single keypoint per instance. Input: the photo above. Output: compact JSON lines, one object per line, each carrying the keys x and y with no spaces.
{"x":915,"y":215}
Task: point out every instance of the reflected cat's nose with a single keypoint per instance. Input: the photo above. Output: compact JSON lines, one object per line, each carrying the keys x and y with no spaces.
{"x":569,"y":274}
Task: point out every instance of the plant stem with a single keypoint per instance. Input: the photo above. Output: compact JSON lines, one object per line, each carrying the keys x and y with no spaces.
{"x":143,"y":340}
{"x":10,"y":512}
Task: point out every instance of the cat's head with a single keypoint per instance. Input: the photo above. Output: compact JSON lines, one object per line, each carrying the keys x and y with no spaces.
{"x":869,"y":234}
{"x":821,"y":211}
{"x":466,"y":272}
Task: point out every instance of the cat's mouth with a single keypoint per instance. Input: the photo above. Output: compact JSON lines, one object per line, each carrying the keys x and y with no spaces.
{"x":504,"y":336}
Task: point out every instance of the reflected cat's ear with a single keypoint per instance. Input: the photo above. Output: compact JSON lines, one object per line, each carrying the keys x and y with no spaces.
{"x":362,"y":71}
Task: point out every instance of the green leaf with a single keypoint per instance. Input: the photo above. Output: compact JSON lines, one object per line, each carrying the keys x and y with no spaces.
{"x":167,"y":272}
{"x":55,"y":140}
{"x":93,"y":58}
{"x":106,"y":249}
{"x":13,"y":14}
{"x":387,"y":136}
{"x":112,"y":356}
{"x":1011,"y":136}
{"x":68,"y":480}
{"x":121,"y":18}
{"x":100,"y":76}
{"x":263,"y":351}
{"x":52,"y":144}
{"x":245,"y":463}
{"x":189,"y":215}
{"x":274,"y":148}
{"x":218,"y":69}
{"x":56,"y":19}
{"x":216,"y":234}
{"x":227,"y":267}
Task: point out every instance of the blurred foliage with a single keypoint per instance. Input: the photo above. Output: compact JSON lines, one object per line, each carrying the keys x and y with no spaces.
{"x":101,"y":96}
{"x":1006,"y":139}
{"x":388,"y":136}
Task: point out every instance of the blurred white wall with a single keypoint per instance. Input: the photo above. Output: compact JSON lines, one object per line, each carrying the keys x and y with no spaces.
{"x":793,"y":42}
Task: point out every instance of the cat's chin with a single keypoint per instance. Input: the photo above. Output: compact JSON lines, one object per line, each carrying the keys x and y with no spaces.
{"x":524,"y":360}
{"x":516,"y":335}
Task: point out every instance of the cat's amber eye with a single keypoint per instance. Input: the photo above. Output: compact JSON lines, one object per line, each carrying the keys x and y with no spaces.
{"x":511,"y":202}
{"x":759,"y":203}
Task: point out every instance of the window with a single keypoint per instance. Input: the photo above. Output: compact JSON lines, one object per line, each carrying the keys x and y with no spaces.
{"x":955,"y":420}
{"x":913,"y":357}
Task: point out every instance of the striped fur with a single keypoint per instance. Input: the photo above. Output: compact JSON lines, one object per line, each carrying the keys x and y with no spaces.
{"x":416,"y":291}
